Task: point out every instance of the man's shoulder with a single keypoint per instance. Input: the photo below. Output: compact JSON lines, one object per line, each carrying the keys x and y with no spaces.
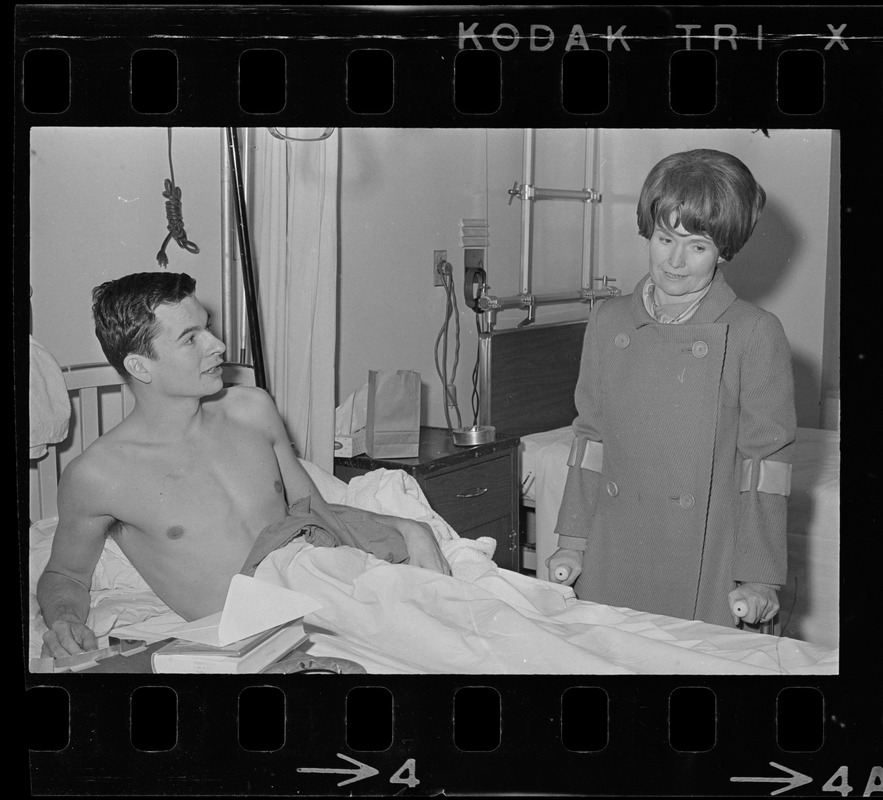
{"x":87,"y":482}
{"x":249,"y":405}
{"x":95,"y":463}
{"x":233,"y":399}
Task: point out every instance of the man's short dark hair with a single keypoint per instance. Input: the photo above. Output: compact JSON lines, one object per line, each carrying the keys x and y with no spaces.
{"x":124,"y":308}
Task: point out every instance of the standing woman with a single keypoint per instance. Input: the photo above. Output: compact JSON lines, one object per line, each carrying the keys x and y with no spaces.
{"x":675,"y":501}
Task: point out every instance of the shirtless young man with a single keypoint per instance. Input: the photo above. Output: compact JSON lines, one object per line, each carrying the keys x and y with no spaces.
{"x":188,"y":480}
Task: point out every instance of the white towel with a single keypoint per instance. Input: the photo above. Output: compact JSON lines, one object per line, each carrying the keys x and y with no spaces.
{"x":49,"y":404}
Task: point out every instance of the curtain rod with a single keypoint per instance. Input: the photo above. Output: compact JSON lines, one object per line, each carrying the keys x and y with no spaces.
{"x":285,"y":138}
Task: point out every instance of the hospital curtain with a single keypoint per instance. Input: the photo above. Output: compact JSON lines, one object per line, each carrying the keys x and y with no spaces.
{"x":294,"y":188}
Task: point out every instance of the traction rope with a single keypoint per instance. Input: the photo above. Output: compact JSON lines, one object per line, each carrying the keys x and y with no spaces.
{"x":174,"y":215}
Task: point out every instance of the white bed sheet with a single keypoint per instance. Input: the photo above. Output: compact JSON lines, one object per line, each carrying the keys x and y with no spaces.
{"x":483,"y":619}
{"x":810,"y":601}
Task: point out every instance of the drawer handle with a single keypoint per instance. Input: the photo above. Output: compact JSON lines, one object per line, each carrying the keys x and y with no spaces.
{"x":476,"y":493}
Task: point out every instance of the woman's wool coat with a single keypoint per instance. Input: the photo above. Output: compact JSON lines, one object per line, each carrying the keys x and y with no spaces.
{"x":663,"y":513}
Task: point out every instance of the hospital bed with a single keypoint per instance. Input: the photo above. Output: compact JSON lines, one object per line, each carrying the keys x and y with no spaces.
{"x":532,"y":375}
{"x":396,"y":618}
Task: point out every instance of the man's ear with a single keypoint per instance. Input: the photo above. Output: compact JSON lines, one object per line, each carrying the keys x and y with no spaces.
{"x":137,"y":367}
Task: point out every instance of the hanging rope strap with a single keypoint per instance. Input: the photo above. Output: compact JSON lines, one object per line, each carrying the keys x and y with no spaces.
{"x":174,"y":215}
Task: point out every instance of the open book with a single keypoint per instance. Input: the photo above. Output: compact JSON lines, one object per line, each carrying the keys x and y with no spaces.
{"x":248,"y":655}
{"x":260,"y":623}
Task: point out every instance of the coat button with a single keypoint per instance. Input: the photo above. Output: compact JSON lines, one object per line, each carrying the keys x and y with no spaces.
{"x":622,"y":340}
{"x":612,"y":489}
{"x":700,"y":349}
{"x":687,"y":501}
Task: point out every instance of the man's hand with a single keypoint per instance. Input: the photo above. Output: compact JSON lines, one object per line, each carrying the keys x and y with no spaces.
{"x":423,"y":549}
{"x":565,"y":566}
{"x":67,"y":638}
{"x":761,"y":600}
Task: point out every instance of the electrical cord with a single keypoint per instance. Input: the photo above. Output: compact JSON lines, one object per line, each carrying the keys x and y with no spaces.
{"x":441,"y":366}
{"x":174,"y":216}
{"x":476,"y":397}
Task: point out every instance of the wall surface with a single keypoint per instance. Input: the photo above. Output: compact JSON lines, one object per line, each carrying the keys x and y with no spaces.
{"x":784,"y":268}
{"x":404,"y":191}
{"x":403,"y":194}
{"x":97,"y":212}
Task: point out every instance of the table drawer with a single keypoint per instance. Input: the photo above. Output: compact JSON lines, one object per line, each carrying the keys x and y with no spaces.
{"x":474,"y":495}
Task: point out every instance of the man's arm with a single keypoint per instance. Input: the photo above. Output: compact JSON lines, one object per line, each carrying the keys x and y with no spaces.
{"x":63,"y":588}
{"x":420,"y":541}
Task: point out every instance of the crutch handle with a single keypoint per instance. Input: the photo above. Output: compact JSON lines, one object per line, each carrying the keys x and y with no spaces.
{"x":562,"y":573}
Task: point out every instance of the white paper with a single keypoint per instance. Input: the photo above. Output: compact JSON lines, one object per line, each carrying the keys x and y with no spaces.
{"x":252,"y":606}
{"x":352,"y":414}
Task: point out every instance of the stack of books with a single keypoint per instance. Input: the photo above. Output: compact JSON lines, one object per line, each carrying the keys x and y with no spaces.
{"x":249,"y":655}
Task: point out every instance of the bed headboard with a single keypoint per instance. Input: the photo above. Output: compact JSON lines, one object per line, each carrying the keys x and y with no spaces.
{"x":529,"y":376}
{"x":100,"y":399}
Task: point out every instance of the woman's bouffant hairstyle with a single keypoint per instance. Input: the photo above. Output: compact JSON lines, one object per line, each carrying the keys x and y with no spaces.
{"x":708,"y":192}
{"x":123,"y":310}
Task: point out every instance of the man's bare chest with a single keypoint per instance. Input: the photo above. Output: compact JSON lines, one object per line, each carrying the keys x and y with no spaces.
{"x":224,"y":484}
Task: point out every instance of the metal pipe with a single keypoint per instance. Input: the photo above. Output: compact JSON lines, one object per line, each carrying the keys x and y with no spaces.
{"x":526,"y":191}
{"x":593,"y":210}
{"x":527,"y":212}
{"x":228,"y":282}
{"x":245,"y":258}
{"x":484,"y":378}
{"x":587,"y":222}
{"x":488,"y":303}
{"x":538,"y":193}
{"x":245,"y":155}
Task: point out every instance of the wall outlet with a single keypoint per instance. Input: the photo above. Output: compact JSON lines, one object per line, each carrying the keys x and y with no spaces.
{"x":439,"y":257}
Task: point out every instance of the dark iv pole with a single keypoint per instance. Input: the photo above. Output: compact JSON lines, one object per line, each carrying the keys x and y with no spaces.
{"x":248,"y":282}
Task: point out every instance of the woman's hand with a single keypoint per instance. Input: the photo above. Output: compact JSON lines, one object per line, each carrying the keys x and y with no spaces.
{"x":423,"y":549}
{"x":565,"y":566}
{"x":760,"y":599}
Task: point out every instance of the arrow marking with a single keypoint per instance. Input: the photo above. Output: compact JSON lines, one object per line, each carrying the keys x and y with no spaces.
{"x":361,"y":772}
{"x":793,"y":780}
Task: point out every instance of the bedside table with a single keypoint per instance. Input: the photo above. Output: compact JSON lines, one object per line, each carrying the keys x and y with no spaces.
{"x":476,"y":490}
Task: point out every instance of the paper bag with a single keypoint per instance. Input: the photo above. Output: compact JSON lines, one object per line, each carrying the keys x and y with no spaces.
{"x":392,"y":427}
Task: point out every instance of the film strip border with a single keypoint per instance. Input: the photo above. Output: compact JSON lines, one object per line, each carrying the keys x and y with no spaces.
{"x":597,"y":66}
{"x":561,"y":737}
{"x":602,"y":66}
